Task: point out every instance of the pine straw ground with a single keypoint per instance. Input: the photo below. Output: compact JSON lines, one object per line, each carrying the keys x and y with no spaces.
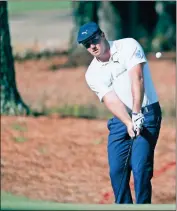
{"x":65,"y":159}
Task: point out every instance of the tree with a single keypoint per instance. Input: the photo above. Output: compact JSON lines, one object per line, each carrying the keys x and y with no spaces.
{"x":102,"y":13}
{"x":118,"y":19}
{"x":121,"y":19}
{"x":109,"y":20}
{"x":11,"y":101}
{"x":83,"y":12}
{"x":164,"y":38}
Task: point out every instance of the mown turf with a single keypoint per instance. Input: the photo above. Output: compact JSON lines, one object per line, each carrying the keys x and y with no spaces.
{"x":25,"y":6}
{"x":12,"y":202}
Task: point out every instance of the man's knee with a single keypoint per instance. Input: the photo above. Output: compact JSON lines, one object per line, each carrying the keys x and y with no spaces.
{"x":143,"y":173}
{"x":115,"y":171}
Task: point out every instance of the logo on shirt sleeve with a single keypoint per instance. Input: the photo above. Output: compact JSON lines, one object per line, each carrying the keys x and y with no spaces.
{"x":139,"y":54}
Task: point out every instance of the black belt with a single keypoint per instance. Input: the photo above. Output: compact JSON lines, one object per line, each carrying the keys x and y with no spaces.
{"x":154,"y":107}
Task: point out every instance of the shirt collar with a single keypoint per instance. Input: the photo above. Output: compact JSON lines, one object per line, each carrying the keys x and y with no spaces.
{"x":113,"y":49}
{"x":114,"y":52}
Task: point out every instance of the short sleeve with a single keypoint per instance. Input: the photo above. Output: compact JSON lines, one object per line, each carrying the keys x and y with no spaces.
{"x":100,"y":87}
{"x":133,"y":53}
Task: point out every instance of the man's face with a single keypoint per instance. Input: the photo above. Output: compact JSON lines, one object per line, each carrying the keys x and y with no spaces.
{"x":95,"y":45}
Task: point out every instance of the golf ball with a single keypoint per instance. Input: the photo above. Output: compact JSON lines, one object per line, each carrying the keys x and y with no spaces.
{"x":158,"y":55}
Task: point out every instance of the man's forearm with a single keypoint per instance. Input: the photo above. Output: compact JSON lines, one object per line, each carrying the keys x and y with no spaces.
{"x":137,"y":93}
{"x":137,"y":87}
{"x":116,"y":107}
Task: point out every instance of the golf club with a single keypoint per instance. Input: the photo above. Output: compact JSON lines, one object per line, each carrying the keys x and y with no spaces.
{"x":126,"y":164}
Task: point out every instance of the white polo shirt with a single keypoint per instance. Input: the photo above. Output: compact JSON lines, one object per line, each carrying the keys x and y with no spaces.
{"x":102,"y":77}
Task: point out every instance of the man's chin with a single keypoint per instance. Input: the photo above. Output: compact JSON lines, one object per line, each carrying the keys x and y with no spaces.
{"x":97,"y":53}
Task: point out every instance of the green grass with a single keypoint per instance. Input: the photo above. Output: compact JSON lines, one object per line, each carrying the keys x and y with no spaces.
{"x":83,"y":111}
{"x":6,"y":196}
{"x":19,"y":127}
{"x":88,"y":111}
{"x":17,"y":6}
{"x":77,"y":111}
{"x":12,"y":202}
{"x":22,"y":129}
{"x":20,"y":139}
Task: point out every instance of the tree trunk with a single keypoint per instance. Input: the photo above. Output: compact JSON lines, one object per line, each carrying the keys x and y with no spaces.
{"x":102,"y":13}
{"x":109,"y":20}
{"x":83,"y":12}
{"x":11,"y":102}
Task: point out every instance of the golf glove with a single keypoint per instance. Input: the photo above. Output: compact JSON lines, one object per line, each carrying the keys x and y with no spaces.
{"x":137,"y":120}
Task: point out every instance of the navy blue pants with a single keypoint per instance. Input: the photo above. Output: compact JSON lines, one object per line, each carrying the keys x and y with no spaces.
{"x":141,"y":157}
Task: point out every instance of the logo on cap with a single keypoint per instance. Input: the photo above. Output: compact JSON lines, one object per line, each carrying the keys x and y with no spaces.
{"x":85,"y":32}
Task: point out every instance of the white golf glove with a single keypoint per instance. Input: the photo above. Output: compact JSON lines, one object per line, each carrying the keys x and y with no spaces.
{"x":137,"y":120}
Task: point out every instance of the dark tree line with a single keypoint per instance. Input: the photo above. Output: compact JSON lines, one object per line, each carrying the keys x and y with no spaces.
{"x":152,"y":23}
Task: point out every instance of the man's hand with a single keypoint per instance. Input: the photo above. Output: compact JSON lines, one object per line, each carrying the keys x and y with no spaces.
{"x":130,"y":130}
{"x":137,"y":120}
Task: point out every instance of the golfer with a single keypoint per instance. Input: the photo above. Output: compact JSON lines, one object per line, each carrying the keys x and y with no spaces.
{"x":119,"y":75}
